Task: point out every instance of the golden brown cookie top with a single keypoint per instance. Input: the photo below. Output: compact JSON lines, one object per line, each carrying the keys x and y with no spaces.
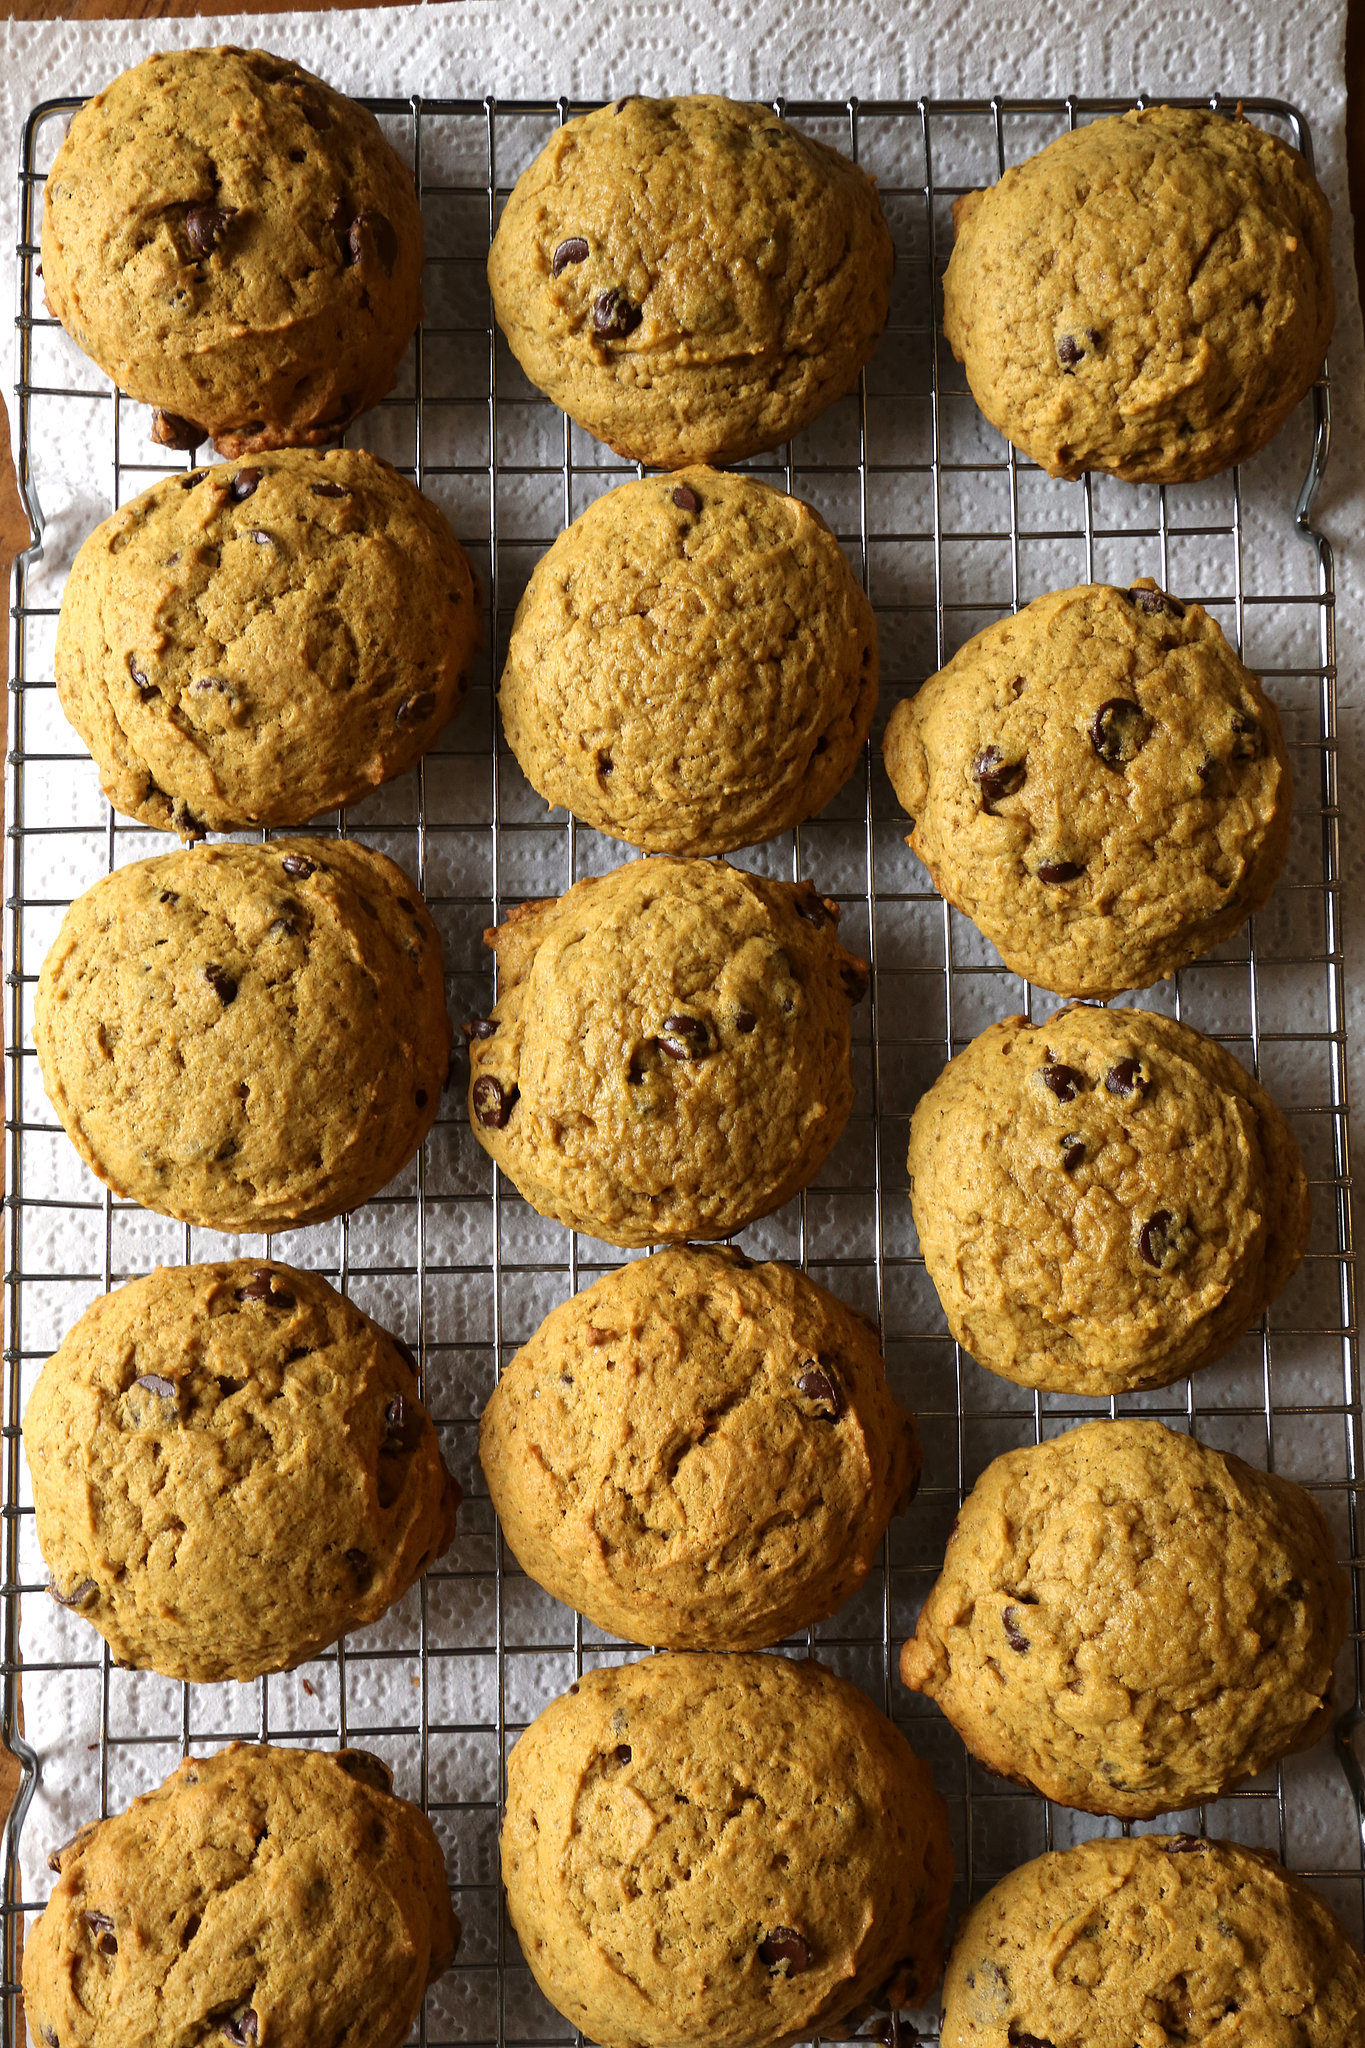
{"x":699,"y":1452}
{"x":669,"y":1053}
{"x":693,"y":665}
{"x":231,"y":1468}
{"x":1151,"y":294}
{"x":735,"y":1849}
{"x":1156,"y":1936}
{"x":1099,"y":784}
{"x":246,"y":1037}
{"x":257,"y":1894}
{"x":1105,"y":1200}
{"x":236,"y":244}
{"x":255,"y":643}
{"x":690,"y":278}
{"x":1130,"y":1621}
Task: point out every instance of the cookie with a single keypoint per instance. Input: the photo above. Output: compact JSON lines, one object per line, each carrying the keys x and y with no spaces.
{"x":691,"y":279}
{"x":271,"y":1895}
{"x":693,"y":666}
{"x":231,"y":1468}
{"x":699,"y":1452}
{"x":246,"y":1037}
{"x":1154,"y":1938}
{"x":734,"y":1850}
{"x":253,"y":645}
{"x":1150,"y":295}
{"x":668,"y":1056}
{"x":1099,"y":784}
{"x":235,"y":244}
{"x":1104,"y":1201}
{"x":1130,"y":1621}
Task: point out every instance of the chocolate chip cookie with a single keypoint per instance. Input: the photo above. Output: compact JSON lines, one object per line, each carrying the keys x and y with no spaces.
{"x":668,"y":1056}
{"x":231,"y":1468}
{"x":1099,"y":784}
{"x":246,"y":1037}
{"x":258,"y":1895}
{"x":691,"y":279}
{"x":699,"y":1452}
{"x":1130,"y":1622}
{"x":1150,"y":295}
{"x":693,"y":666}
{"x":1156,"y":1938}
{"x":730,"y":1849}
{"x":1104,"y":1201}
{"x":252,"y":645}
{"x":235,"y":244}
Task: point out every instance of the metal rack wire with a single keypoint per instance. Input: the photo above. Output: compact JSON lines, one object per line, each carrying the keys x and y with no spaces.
{"x":949,"y":528}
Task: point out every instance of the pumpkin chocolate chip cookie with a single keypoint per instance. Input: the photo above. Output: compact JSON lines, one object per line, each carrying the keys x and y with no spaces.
{"x":699,"y":1452}
{"x":1157,"y":1938}
{"x":1104,"y":1201}
{"x":258,"y":1895}
{"x":235,"y":244}
{"x":246,"y":1037}
{"x":1130,"y":1621}
{"x":731,"y":1850}
{"x":669,"y":1053}
{"x":231,"y":1468}
{"x":1099,"y":784}
{"x":691,"y":279}
{"x":1150,"y":295}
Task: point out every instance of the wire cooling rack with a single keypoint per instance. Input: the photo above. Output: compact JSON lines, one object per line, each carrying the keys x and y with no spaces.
{"x":949,"y":529}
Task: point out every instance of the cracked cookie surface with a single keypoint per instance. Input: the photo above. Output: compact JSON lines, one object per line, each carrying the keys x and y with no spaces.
{"x":231,"y":1468}
{"x":1150,"y":295}
{"x":1099,"y":784}
{"x":1156,"y":1938}
{"x":691,"y":279}
{"x":693,"y":666}
{"x":1104,"y":1201}
{"x":236,"y":244}
{"x":733,"y":1849}
{"x":1130,"y":1621}
{"x":699,"y":1452}
{"x":246,"y":1037}
{"x":669,"y":1053}
{"x":274,"y":1895}
{"x":254,"y":644}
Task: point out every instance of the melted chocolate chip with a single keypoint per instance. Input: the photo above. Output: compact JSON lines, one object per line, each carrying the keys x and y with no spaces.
{"x":49,"y":2037}
{"x":745,"y":1021}
{"x":1014,"y":1635}
{"x":260,"y":536}
{"x":77,"y":1841}
{"x":414,"y":709}
{"x":996,"y":777}
{"x":298,"y":865}
{"x":362,"y":1567}
{"x":1185,"y":1845}
{"x":574,"y":250}
{"x":366,"y":1769}
{"x":172,"y":430}
{"x":244,"y":483}
{"x":1069,"y":350}
{"x":196,"y":476}
{"x":1119,"y":731}
{"x":154,"y":1383}
{"x":329,"y":490}
{"x":1054,"y":871}
{"x":79,"y":1596}
{"x":1073,"y":1153}
{"x":140,"y":677}
{"x":1125,"y":1078}
{"x":493,"y":1103}
{"x":811,"y":907}
{"x":221,"y":982}
{"x":685,"y":1038}
{"x":1161,"y":1240}
{"x":614,"y":315}
{"x":1247,"y":738}
{"x":1066,"y":1083}
{"x":377,"y":228}
{"x":241,"y":2028}
{"x":686,"y":500}
{"x":785,"y":1951}
{"x":1154,"y":602}
{"x":102,"y":1927}
{"x":204,"y":227}
{"x":263,"y":1286}
{"x":818,"y":1386}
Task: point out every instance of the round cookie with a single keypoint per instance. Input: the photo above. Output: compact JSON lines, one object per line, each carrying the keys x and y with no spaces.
{"x":699,"y":1452}
{"x":1130,"y":1621}
{"x":235,"y":244}
{"x":1154,"y":1938}
{"x":246,"y":1037}
{"x":669,"y":1053}
{"x":1099,"y":784}
{"x":231,"y":1468}
{"x":1104,"y":1201}
{"x":250,"y":646}
{"x":271,"y":1895}
{"x":693,"y":666}
{"x":691,"y":279}
{"x":1150,"y":295}
{"x":735,"y":1850}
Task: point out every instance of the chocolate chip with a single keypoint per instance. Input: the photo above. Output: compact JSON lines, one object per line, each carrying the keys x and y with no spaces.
{"x":421,"y":1098}
{"x":481,"y":1027}
{"x":1161,"y":1240}
{"x":329,"y":490}
{"x":623,"y":1754}
{"x":1184,"y":1845}
{"x":574,"y":250}
{"x":414,"y":709}
{"x":613,"y":314}
{"x":366,"y":1769}
{"x":362,"y":1567}
{"x":204,"y":226}
{"x":1014,"y":1635}
{"x":1054,"y":871}
{"x":1066,"y":1083}
{"x":49,"y":2037}
{"x":819,"y":1387}
{"x":1073,"y":1152}
{"x":493,"y":1103}
{"x":244,"y":483}
{"x":686,"y":500}
{"x":221,"y":982}
{"x":402,"y":1428}
{"x":1125,"y":1078}
{"x":1154,"y":602}
{"x":1247,"y":737}
{"x":785,"y":1952}
{"x":171,"y":430}
{"x":79,"y":1596}
{"x":1119,"y":731}
{"x":318,"y":118}
{"x":262,"y":1286}
{"x":241,"y":2028}
{"x":100,"y":1924}
{"x":996,"y":777}
{"x":169,"y":896}
{"x":1022,"y":2040}
{"x":1069,"y":350}
{"x":625,"y":102}
{"x":196,"y":476}
{"x":856,"y":978}
{"x":140,"y":677}
{"x":260,"y":536}
{"x":298,"y":865}
{"x":686,"y":1038}
{"x":745,"y":1021}
{"x":378,"y":228}
{"x":812,"y":907}
{"x":154,"y":1383}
